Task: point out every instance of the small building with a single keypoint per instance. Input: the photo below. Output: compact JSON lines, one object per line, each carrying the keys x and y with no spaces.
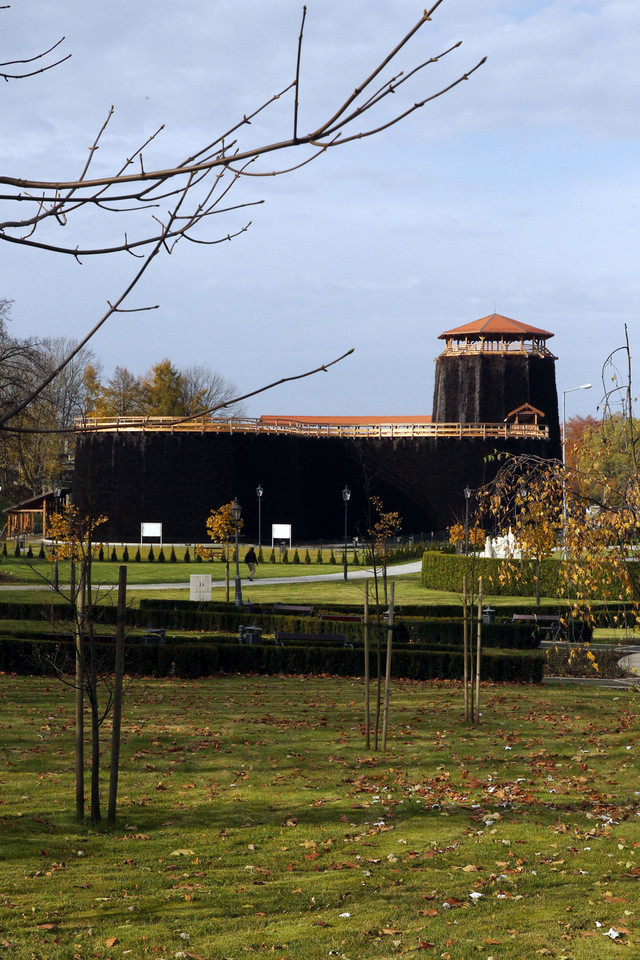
{"x":29,"y":517}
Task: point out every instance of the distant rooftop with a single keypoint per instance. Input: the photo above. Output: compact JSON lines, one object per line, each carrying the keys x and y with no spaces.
{"x":314,"y":418}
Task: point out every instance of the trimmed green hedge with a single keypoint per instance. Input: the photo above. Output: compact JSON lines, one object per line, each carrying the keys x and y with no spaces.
{"x":205,"y":659}
{"x":500,"y":577}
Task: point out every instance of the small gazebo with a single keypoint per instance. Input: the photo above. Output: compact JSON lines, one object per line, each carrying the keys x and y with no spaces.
{"x":496,"y":335}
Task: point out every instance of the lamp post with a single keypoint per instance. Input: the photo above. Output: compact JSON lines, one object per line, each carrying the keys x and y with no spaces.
{"x":346,"y":495}
{"x":259,"y":492}
{"x":467,"y":497}
{"x":236,"y":513}
{"x":583,"y":386}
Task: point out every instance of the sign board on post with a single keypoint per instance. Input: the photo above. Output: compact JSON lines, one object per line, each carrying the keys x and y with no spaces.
{"x":150,"y":530}
{"x":200,"y":586}
{"x":280,"y":531}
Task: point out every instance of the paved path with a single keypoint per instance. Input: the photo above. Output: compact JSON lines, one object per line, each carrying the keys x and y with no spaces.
{"x":397,"y":570}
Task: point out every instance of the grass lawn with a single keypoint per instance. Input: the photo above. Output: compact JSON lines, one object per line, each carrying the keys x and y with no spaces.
{"x":253,"y":822}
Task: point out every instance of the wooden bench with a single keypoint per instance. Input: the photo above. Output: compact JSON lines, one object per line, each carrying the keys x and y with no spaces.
{"x":300,"y":609}
{"x":342,"y":617}
{"x":154,"y":635}
{"x":283,"y":636}
{"x":547,"y":622}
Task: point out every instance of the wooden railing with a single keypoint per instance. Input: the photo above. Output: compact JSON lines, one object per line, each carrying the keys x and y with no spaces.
{"x":503,"y":431}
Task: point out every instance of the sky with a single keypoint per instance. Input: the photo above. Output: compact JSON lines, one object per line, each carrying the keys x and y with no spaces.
{"x":517,"y":192}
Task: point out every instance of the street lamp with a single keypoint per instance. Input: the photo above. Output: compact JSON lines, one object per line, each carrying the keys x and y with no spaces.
{"x":467,"y":498}
{"x":583,"y":386}
{"x":346,"y":496}
{"x":259,"y":492}
{"x":236,"y":513}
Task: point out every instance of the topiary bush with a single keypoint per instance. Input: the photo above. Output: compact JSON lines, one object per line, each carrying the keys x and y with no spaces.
{"x":187,"y":556}
{"x":319,"y":556}
{"x":114,"y":555}
{"x":307,"y":557}
{"x":137,"y":557}
{"x":151,"y":555}
{"x":332,"y":556}
{"x":285,"y":555}
{"x":272,"y":556}
{"x":125,"y":554}
{"x":42,"y":555}
{"x":161,"y":555}
{"x":173,"y":558}
{"x":296,"y":556}
{"x":29,"y":553}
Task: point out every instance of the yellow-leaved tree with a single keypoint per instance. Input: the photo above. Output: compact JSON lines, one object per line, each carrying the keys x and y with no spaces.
{"x":221,"y":528}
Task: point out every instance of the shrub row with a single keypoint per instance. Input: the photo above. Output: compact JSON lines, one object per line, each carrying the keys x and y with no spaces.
{"x":206,"y":659}
{"x":501,"y":577}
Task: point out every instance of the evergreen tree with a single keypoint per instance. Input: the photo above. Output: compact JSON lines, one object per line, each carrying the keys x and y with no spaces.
{"x":125,"y":554}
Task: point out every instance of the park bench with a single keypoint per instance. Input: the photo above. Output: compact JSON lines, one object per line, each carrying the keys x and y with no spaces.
{"x":285,"y":636}
{"x":547,"y":622}
{"x":154,"y":635}
{"x":299,"y":609}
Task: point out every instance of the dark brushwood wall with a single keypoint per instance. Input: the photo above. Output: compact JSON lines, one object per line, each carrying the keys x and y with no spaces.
{"x":177,"y":479}
{"x":482,"y":388}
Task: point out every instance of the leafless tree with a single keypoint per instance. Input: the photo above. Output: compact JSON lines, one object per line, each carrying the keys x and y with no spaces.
{"x":177,"y":202}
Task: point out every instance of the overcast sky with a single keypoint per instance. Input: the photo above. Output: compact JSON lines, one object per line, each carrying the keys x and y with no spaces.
{"x":517,"y":192}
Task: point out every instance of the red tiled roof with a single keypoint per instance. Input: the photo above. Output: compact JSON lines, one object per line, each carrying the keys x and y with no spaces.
{"x":301,"y":418}
{"x":496,"y":325}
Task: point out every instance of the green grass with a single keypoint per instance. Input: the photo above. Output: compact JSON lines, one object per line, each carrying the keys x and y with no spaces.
{"x":36,"y":571}
{"x":252,"y":819}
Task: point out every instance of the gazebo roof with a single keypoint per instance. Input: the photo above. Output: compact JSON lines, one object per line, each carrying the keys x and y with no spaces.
{"x":496,"y":327}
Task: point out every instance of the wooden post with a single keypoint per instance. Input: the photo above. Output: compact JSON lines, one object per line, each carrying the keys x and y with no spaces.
{"x":367,"y":715}
{"x":478,"y":650}
{"x":387,"y":680}
{"x":117,"y":696}
{"x":77,"y":601}
{"x":465,"y":647}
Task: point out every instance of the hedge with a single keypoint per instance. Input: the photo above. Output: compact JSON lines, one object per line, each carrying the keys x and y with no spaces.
{"x":515,"y":578}
{"x":204,"y":659}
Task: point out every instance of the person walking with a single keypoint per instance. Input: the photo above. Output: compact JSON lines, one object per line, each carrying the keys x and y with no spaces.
{"x":251,"y":561}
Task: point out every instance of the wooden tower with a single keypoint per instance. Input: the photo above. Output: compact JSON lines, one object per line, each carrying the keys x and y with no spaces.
{"x":496,"y":369}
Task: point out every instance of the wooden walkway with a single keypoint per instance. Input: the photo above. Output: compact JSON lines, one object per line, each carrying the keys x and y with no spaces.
{"x":353,"y":431}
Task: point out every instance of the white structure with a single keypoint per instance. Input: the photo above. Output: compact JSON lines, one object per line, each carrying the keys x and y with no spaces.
{"x":502,"y":548}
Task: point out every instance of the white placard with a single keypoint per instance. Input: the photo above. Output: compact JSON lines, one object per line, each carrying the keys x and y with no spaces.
{"x":200,"y":586}
{"x":280,"y":531}
{"x":151,"y":530}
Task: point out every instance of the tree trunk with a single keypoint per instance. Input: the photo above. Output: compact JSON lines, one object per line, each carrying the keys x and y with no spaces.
{"x":117,"y":697}
{"x":387,"y":679}
{"x":367,"y":715}
{"x":465,"y":647}
{"x":78,"y":609}
{"x":478,"y":650}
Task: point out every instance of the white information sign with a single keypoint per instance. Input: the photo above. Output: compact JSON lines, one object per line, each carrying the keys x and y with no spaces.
{"x":200,"y":586}
{"x":150,"y":530}
{"x":280,"y":531}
